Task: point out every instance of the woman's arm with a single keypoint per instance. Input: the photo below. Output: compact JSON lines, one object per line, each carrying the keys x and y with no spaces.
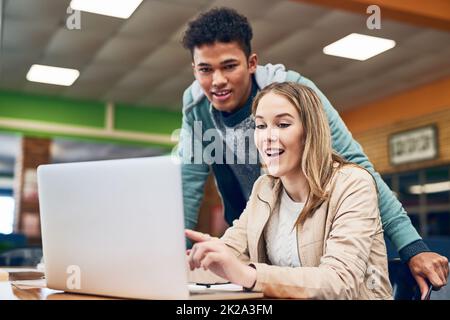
{"x":226,"y":257}
{"x":233,"y":244}
{"x":344,"y":263}
{"x":235,"y":237}
{"x":211,"y":256}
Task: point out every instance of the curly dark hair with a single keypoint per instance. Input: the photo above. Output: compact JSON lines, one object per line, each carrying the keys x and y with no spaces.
{"x":221,"y":25}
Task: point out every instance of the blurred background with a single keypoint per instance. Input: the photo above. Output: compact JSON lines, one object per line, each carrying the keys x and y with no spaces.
{"x":130,"y":73}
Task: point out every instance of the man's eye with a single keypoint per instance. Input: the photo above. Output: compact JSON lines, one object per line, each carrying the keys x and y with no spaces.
{"x":204,"y":70}
{"x":260,"y":126}
{"x":230,"y":66}
{"x":284,"y":125}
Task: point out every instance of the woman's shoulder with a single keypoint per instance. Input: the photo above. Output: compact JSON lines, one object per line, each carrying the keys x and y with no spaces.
{"x":265,"y":179}
{"x":354,"y":189}
{"x":265,"y":184}
{"x":349,"y":174}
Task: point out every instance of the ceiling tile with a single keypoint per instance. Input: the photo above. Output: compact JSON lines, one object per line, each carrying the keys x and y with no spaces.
{"x":170,"y":92}
{"x":74,"y":43}
{"x":168,"y":59}
{"x":192,"y":3}
{"x":48,"y":10}
{"x":140,"y":78}
{"x":99,"y":24}
{"x":394,"y":30}
{"x":17,"y":60}
{"x":294,"y":15}
{"x":65,"y":61}
{"x":42,"y":88}
{"x":420,"y":66}
{"x":338,"y":20}
{"x":124,"y":51}
{"x":103,"y":73}
{"x":266,"y":34}
{"x":380,"y":63}
{"x":427,"y":41}
{"x":157,"y":19}
{"x":252,"y":9}
{"x":331,"y":81}
{"x":21,"y":34}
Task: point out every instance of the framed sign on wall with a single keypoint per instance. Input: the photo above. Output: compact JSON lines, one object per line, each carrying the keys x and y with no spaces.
{"x":413,"y":145}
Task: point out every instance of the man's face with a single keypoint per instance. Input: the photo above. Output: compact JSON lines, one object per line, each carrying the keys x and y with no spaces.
{"x":224,"y":73}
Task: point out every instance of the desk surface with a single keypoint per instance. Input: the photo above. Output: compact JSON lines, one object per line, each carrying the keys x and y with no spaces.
{"x":29,"y":286}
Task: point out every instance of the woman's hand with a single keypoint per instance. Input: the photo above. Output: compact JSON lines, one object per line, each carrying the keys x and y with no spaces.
{"x":213,"y":254}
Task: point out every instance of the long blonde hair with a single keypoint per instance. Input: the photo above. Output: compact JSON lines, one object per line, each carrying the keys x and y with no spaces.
{"x":318,"y":155}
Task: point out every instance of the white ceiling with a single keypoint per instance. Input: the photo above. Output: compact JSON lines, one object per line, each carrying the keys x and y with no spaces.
{"x":140,"y":60}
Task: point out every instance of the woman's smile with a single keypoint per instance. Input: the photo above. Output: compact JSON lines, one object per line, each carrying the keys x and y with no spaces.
{"x":279,"y":135}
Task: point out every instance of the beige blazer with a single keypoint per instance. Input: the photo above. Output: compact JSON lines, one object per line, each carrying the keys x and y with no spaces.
{"x":341,"y":245}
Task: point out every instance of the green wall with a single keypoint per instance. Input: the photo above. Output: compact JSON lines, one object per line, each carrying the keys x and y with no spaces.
{"x":130,"y":118}
{"x":51,"y":109}
{"x":71,"y":112}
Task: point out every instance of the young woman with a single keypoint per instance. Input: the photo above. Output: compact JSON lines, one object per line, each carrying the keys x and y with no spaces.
{"x":311,"y":228}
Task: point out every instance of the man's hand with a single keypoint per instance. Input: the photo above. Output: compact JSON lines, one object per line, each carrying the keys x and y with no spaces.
{"x":213,"y":254}
{"x":431,"y":266}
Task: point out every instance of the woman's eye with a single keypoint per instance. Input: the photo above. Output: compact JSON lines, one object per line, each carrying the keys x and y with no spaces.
{"x":284,"y":125}
{"x":260,"y":126}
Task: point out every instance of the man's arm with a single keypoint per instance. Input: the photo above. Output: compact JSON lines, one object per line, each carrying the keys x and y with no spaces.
{"x":193,"y":174}
{"x":396,"y":223}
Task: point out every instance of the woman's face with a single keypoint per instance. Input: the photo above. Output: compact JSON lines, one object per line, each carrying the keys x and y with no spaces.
{"x":279,"y":135}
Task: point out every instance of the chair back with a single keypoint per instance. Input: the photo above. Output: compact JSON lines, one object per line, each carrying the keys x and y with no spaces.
{"x":404,"y":286}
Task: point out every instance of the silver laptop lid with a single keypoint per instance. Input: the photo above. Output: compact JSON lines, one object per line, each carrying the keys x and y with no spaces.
{"x":114,"y":228}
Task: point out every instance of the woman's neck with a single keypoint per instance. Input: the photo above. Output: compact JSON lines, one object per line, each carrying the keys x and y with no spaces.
{"x":296,"y":186}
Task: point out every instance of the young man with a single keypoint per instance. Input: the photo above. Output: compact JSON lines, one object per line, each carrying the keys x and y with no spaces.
{"x":227,"y":78}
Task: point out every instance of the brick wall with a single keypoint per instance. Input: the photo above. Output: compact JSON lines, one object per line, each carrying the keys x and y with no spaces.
{"x":375,"y":141}
{"x":34,"y":152}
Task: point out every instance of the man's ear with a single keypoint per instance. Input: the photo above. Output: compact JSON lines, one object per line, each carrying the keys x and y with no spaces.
{"x":252,"y":62}
{"x":193,"y":69}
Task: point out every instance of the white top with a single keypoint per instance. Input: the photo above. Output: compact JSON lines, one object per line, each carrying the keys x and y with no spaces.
{"x":280,"y":234}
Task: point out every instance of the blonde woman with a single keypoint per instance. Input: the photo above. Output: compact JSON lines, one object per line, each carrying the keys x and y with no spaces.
{"x":311,"y":228}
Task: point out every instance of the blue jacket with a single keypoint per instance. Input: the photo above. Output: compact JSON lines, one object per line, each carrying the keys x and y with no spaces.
{"x":196,"y":107}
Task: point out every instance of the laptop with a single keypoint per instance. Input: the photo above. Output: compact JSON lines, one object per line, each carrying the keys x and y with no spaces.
{"x":116,"y":228}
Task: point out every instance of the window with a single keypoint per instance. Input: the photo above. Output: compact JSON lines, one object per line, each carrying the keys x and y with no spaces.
{"x":438,"y":224}
{"x":415,"y":221}
{"x":406,"y":181}
{"x":436,"y":178}
{"x":6,"y":214}
{"x":425,"y":194}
